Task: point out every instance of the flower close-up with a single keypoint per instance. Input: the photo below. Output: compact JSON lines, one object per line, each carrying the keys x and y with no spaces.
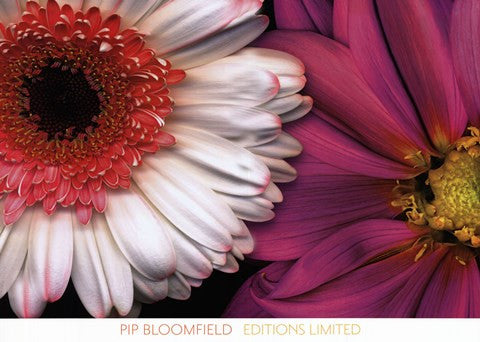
{"x":136,"y":137}
{"x":384,"y":218}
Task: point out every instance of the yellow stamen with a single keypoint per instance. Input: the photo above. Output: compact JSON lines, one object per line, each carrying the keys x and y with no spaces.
{"x":460,"y":260}
{"x":421,"y":252}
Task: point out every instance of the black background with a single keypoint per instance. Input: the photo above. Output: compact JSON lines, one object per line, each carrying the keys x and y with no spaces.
{"x":210,"y":300}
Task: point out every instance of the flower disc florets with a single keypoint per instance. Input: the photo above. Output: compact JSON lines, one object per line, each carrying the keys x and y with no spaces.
{"x":82,"y":101}
{"x":447,"y":198}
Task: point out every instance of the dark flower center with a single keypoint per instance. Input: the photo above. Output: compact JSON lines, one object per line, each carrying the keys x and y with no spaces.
{"x":61,"y":101}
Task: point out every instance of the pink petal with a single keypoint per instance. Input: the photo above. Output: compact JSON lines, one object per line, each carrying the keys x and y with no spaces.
{"x":465,"y":39}
{"x":243,"y":305}
{"x":307,"y":15}
{"x":392,"y":287}
{"x":329,"y":145}
{"x":372,"y":57}
{"x":340,"y":21}
{"x":316,"y":205}
{"x":334,"y":81}
{"x":453,"y":290}
{"x":417,"y":32}
{"x":341,"y":252}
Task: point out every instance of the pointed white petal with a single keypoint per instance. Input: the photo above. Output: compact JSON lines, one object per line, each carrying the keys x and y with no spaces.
{"x":249,"y":9}
{"x":149,"y":291}
{"x":116,"y":268}
{"x":193,"y":281}
{"x":243,"y":126}
{"x":218,"y":45}
{"x":231,"y":266}
{"x":50,"y":252}
{"x":282,"y":172}
{"x":139,"y":233}
{"x":215,"y":257}
{"x":299,"y":111}
{"x":25,"y":298}
{"x":285,"y":146}
{"x":273,"y":193}
{"x":283,"y":104}
{"x":244,"y":242}
{"x":87,"y":272}
{"x":290,"y":85}
{"x":178,"y":287}
{"x":236,"y":84}
{"x":133,"y":313}
{"x":217,"y":162}
{"x":253,"y":208}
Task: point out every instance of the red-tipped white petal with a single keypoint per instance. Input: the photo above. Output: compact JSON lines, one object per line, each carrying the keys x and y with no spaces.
{"x":235,"y":84}
{"x":50,"y":251}
{"x":25,"y":298}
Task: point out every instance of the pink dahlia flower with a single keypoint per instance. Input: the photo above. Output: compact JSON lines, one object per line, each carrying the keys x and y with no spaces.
{"x":384,"y":219}
{"x":135,"y":138}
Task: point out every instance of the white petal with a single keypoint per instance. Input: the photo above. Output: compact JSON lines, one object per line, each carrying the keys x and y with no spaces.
{"x":180,"y":22}
{"x":218,"y":45}
{"x":298,"y":112}
{"x":178,"y":287}
{"x":190,"y":207}
{"x":231,"y":266}
{"x":149,"y":291}
{"x":215,"y":257}
{"x":283,"y":104}
{"x":236,"y":84}
{"x":219,"y":164}
{"x":285,"y":146}
{"x":87,"y":272}
{"x":254,"y":208}
{"x":132,"y":10}
{"x":282,"y":172}
{"x":139,"y":234}
{"x":133,"y":313}
{"x":273,"y":193}
{"x":278,"y":62}
{"x":24,"y":297}
{"x":50,"y":252}
{"x":244,"y":242}
{"x":193,"y":281}
{"x":248,"y":10}
{"x":190,"y":261}
{"x":290,"y":85}
{"x":243,"y":126}
{"x":3,"y":237}
{"x":10,"y":11}
{"x":116,"y":268}
{"x":12,"y":255}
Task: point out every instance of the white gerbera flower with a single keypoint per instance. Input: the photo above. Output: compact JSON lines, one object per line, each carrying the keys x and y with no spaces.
{"x":102,"y":181}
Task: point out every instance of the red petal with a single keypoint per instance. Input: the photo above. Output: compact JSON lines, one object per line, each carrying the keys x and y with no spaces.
{"x":84,"y":213}
{"x":13,"y":202}
{"x":50,"y":203}
{"x":99,"y":199}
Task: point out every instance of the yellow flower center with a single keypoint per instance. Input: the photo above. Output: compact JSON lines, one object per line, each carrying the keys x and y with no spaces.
{"x":456,"y":189}
{"x":449,"y":198}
